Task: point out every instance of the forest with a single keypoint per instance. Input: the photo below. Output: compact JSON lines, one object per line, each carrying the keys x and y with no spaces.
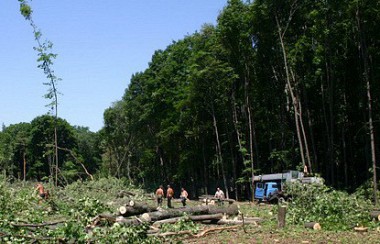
{"x":273,"y":86}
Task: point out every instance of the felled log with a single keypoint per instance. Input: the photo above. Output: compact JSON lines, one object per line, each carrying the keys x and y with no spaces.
{"x":200,"y":234}
{"x":127,"y":221}
{"x":360,"y":229}
{"x":135,"y":208}
{"x":37,"y":225}
{"x":208,"y":198}
{"x":143,"y":206}
{"x":124,"y":193}
{"x":191,"y":217}
{"x":196,"y":210}
{"x":375,"y":214}
{"x":235,"y":222}
{"x":313,"y":225}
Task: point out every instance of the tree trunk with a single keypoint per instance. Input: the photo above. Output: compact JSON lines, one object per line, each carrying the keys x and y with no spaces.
{"x":375,"y":215}
{"x":134,"y":208}
{"x":281,"y":218}
{"x":217,"y":216}
{"x":295,"y":99}
{"x":366,"y":78}
{"x":196,"y":210}
{"x":219,"y":151}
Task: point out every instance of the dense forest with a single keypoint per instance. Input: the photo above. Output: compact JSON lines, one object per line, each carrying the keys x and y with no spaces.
{"x":275,"y":85}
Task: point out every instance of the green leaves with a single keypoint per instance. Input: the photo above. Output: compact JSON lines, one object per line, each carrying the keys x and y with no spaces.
{"x":25,"y":9}
{"x":335,"y":210}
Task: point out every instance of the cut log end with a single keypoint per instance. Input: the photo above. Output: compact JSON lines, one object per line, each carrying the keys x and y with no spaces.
{"x":146,"y":217}
{"x":122,"y":210}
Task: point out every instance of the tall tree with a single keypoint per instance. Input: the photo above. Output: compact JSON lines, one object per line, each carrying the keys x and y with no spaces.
{"x":45,"y":59}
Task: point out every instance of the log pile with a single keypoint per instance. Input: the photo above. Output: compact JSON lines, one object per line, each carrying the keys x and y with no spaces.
{"x":135,"y":213}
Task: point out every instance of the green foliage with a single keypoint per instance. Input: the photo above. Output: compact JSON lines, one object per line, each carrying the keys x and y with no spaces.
{"x":25,"y":9}
{"x":122,"y":234}
{"x":335,"y":210}
{"x":75,"y":206}
{"x":183,"y":224}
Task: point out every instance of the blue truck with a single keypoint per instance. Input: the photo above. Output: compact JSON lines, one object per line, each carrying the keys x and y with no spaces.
{"x":269,"y":187}
{"x":265,"y":190}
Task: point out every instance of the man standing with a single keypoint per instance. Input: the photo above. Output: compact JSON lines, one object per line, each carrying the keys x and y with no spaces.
{"x":169,"y":196}
{"x":159,"y":196}
{"x":219,"y":194}
{"x":184,"y":196}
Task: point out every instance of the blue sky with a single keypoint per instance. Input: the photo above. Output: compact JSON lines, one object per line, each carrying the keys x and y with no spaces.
{"x":100,"y":44}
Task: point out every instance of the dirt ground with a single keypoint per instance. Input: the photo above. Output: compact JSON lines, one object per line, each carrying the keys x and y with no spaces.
{"x":267,"y":232}
{"x":286,"y":236}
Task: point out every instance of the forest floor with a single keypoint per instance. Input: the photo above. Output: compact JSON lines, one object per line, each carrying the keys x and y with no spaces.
{"x":267,"y":231}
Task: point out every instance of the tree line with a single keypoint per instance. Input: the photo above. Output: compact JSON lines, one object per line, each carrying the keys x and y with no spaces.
{"x":274,"y":85}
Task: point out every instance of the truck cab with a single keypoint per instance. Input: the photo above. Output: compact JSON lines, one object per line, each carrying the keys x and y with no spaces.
{"x":265,"y":190}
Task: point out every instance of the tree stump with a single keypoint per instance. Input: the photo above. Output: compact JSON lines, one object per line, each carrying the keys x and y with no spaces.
{"x":281,"y":218}
{"x":375,"y":215}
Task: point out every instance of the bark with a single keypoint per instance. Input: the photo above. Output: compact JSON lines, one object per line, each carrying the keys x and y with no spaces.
{"x":212,"y":198}
{"x":281,"y":216}
{"x":217,"y":216}
{"x":36,"y":225}
{"x":313,"y":225}
{"x":135,"y":208}
{"x":375,"y":215}
{"x":124,"y":193}
{"x":235,"y":222}
{"x":197,"y":210}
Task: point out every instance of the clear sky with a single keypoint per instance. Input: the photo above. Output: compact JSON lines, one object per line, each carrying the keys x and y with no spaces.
{"x":100,"y":44}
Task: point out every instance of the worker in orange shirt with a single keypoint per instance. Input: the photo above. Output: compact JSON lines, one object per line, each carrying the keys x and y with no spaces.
{"x":169,"y":196}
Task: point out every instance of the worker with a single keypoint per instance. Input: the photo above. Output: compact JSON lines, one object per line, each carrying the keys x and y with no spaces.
{"x":184,"y":196}
{"x":159,"y":196}
{"x":219,"y":195}
{"x":169,"y":196}
{"x":41,"y":192}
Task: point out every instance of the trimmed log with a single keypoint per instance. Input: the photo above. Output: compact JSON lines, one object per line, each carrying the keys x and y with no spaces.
{"x":235,"y":222}
{"x":208,"y":198}
{"x":281,"y":216}
{"x":125,"y":221}
{"x":375,"y":214}
{"x":196,"y":210}
{"x":256,"y":219}
{"x":360,"y":229}
{"x":191,"y":217}
{"x":135,"y":208}
{"x":124,"y":193}
{"x":37,"y":225}
{"x":313,"y":225}
{"x":142,"y":206}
